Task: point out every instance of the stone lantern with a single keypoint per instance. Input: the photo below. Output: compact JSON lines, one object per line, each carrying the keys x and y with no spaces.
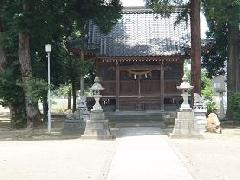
{"x":184,"y":123}
{"x":185,"y":87}
{"x":96,"y":89}
{"x":97,"y":126}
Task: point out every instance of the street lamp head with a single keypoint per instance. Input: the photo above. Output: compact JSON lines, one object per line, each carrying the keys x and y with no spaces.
{"x":48,"y":48}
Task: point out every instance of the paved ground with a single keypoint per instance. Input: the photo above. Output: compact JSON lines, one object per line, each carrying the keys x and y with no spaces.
{"x":139,"y":153}
{"x":144,"y":154}
{"x":55,"y":160}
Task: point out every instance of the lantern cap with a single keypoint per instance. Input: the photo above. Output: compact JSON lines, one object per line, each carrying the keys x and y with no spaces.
{"x":96,"y":86}
{"x":185,"y":84}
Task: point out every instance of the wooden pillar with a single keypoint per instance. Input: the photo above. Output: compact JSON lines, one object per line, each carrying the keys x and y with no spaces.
{"x":117,"y":86}
{"x":139,"y":86}
{"x":195,"y":45}
{"x":162,"y":86}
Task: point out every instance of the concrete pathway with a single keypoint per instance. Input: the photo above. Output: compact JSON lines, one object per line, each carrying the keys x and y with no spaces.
{"x":144,"y":154}
{"x":55,"y":160}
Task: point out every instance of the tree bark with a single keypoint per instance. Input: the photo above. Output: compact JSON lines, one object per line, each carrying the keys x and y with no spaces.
{"x":32,"y":110}
{"x":74,"y":94}
{"x":24,"y":55}
{"x":3,"y":59}
{"x":69,"y":99}
{"x":82,"y":75}
{"x":45,"y":108}
{"x":195,"y":45}
{"x":17,"y":116}
{"x":233,"y":65}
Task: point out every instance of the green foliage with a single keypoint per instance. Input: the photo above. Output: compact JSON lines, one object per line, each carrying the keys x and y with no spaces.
{"x":166,"y":7}
{"x":221,"y":15}
{"x":38,"y":86}
{"x":220,"y":12}
{"x":207,"y":93}
{"x":62,"y":90}
{"x":104,"y":13}
{"x":215,"y":58}
{"x":12,"y":95}
{"x":10,"y":92}
{"x":52,"y":22}
{"x":235,"y":105}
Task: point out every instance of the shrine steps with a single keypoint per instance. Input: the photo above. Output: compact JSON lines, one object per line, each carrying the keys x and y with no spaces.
{"x":141,"y":118}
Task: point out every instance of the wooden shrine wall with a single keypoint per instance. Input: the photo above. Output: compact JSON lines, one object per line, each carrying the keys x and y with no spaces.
{"x":145,"y":92}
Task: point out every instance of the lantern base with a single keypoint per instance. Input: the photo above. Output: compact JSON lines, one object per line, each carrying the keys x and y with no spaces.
{"x":97,"y":127}
{"x":184,"y":126}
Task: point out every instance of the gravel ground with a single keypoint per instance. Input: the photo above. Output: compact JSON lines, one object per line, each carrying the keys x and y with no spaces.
{"x":216,"y":157}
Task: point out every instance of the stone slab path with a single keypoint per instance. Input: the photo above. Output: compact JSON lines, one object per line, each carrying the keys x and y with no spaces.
{"x":144,"y":154}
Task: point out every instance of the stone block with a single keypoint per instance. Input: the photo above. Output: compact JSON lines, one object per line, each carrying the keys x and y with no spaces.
{"x":97,"y":127}
{"x":184,"y":126}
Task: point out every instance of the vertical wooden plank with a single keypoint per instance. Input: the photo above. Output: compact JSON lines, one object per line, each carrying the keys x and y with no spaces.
{"x":162,"y":86}
{"x":117,"y":85}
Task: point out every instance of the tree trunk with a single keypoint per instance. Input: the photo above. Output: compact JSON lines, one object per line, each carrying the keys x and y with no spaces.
{"x":3,"y":59}
{"x":195,"y":45}
{"x":82,"y":75}
{"x":17,"y":116}
{"x":32,"y":111}
{"x":74,"y":94}
{"x":69,"y":99}
{"x":17,"y":111}
{"x":233,"y":65}
{"x":45,"y":108}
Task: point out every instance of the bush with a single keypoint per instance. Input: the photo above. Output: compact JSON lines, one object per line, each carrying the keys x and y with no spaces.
{"x":207,"y":93}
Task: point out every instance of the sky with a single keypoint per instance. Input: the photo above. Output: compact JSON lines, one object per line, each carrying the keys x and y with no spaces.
{"x":204,"y":27}
{"x":133,"y":2}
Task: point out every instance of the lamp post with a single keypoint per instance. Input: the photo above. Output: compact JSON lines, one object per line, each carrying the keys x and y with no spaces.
{"x":48,"y":51}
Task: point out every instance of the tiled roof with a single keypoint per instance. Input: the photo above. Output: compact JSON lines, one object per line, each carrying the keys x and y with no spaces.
{"x":140,"y":32}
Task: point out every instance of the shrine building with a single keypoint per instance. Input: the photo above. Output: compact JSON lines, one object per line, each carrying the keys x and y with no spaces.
{"x":140,"y":62}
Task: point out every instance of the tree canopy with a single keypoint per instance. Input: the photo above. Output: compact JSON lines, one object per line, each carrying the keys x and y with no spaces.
{"x":27,"y":25}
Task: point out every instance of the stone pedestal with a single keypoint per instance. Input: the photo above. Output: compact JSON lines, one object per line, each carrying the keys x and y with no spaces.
{"x":200,"y":121}
{"x":200,"y":112}
{"x":83,"y":108}
{"x":184,"y":126}
{"x":74,"y":123}
{"x":97,"y":127}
